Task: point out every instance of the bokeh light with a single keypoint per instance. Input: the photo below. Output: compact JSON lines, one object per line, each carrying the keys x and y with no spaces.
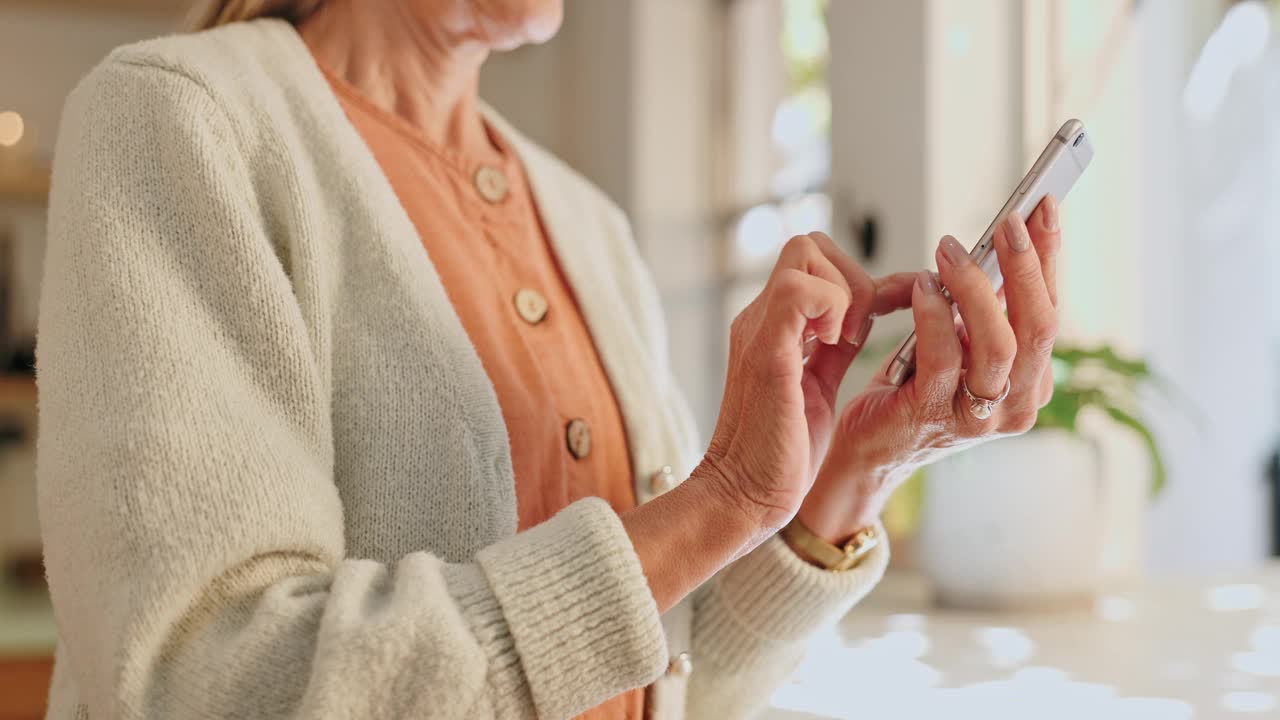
{"x":760,"y":232}
{"x":12,"y":129}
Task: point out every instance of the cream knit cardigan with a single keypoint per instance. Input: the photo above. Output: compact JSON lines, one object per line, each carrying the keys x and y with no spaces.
{"x":274,"y":478}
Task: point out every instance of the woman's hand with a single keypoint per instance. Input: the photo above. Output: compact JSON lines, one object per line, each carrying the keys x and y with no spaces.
{"x":788,"y":351}
{"x":778,"y":412}
{"x":888,"y":432}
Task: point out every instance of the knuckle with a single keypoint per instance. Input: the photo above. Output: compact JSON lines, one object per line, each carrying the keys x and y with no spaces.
{"x":1019,"y":420}
{"x":826,"y":269}
{"x":800,"y":245}
{"x":1028,"y":272}
{"x":789,"y":289}
{"x":789,"y":284}
{"x":1041,"y":340}
{"x":1042,"y":335}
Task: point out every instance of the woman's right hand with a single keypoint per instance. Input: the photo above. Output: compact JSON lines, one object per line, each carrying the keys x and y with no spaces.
{"x":776,"y":419}
{"x":778,"y":411}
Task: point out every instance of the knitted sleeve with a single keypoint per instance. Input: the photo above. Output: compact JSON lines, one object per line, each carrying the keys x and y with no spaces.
{"x":754,"y":620}
{"x":193,"y":532}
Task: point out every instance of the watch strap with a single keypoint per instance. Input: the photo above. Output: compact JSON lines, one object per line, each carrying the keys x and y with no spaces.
{"x":831,"y":557}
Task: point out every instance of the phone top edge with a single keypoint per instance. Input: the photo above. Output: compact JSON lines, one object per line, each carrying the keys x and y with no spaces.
{"x":1069,"y":130}
{"x":1081,"y":152}
{"x":1055,"y":149}
{"x":1073,"y":147}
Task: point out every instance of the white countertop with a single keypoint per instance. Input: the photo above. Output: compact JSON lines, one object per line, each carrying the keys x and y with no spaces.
{"x":1164,"y":650}
{"x":1167,"y":650}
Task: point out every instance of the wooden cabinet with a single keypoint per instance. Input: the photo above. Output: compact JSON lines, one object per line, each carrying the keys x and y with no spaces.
{"x":24,"y":687}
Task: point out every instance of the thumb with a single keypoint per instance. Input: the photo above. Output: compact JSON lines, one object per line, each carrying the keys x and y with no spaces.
{"x":829,"y":363}
{"x":893,"y":292}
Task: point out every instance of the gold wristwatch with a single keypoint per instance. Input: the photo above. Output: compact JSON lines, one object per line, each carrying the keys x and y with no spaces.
{"x":827,"y":555}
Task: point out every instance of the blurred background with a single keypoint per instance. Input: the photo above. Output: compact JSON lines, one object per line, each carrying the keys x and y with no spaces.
{"x":1115,"y":562}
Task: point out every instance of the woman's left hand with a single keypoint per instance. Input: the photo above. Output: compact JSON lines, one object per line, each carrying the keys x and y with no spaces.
{"x":888,"y":432}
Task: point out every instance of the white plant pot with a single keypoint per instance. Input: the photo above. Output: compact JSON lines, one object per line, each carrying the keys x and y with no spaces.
{"x":1016,"y":523}
{"x":1126,"y":496}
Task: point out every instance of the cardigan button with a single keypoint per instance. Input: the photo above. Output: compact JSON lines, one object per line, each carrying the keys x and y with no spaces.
{"x":662,"y":481}
{"x":491,"y":183}
{"x":531,"y":305}
{"x":577,"y":435}
{"x":681,"y":665}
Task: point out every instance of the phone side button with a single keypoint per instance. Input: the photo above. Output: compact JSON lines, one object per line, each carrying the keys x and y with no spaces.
{"x":1026,"y":183}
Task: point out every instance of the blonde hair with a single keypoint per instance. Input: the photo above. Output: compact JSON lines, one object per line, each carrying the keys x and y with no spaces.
{"x":212,"y":13}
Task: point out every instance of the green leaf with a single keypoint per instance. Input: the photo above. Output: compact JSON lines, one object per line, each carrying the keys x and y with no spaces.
{"x":1060,"y":412}
{"x":1158,"y":472}
{"x":1106,"y":357}
{"x":1062,"y":371}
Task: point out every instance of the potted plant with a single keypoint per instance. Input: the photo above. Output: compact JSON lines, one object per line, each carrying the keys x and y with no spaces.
{"x":1039,"y":519}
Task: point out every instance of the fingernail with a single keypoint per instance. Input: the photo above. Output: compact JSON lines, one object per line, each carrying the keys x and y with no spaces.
{"x":953,"y":251}
{"x":1049,"y":213}
{"x":927,"y":284}
{"x":1016,"y":232}
{"x":861,"y":336}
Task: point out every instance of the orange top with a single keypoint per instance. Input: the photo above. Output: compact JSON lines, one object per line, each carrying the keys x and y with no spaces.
{"x":480,"y":226}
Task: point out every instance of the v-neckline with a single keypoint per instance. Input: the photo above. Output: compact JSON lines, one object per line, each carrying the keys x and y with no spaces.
{"x":633,"y":375}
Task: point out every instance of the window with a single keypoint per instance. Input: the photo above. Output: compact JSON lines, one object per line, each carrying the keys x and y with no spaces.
{"x":776,"y":78}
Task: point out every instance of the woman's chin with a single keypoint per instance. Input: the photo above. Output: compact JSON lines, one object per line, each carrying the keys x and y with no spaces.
{"x":512,"y":23}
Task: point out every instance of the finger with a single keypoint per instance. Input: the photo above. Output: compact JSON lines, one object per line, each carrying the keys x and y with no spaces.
{"x":1046,"y":386}
{"x":1046,"y":235}
{"x":938,"y":352}
{"x":803,"y":253}
{"x":862,"y":289}
{"x":991,"y":342}
{"x":893,"y":292}
{"x":1031,"y":315}
{"x":798,"y":304}
{"x":829,"y":363}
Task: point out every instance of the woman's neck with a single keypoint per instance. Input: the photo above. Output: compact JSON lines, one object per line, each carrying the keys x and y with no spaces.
{"x":419,"y":62}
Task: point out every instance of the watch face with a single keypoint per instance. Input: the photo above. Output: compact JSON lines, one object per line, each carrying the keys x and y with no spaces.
{"x":859,"y":547}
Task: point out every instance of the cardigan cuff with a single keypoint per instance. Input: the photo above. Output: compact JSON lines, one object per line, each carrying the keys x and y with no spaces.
{"x":579,"y":611}
{"x":770,"y":597}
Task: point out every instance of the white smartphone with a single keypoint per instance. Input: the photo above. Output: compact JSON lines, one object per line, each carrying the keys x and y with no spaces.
{"x":1054,"y":173}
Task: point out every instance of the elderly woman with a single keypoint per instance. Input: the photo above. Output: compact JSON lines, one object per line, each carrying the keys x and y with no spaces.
{"x":355,"y":403}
